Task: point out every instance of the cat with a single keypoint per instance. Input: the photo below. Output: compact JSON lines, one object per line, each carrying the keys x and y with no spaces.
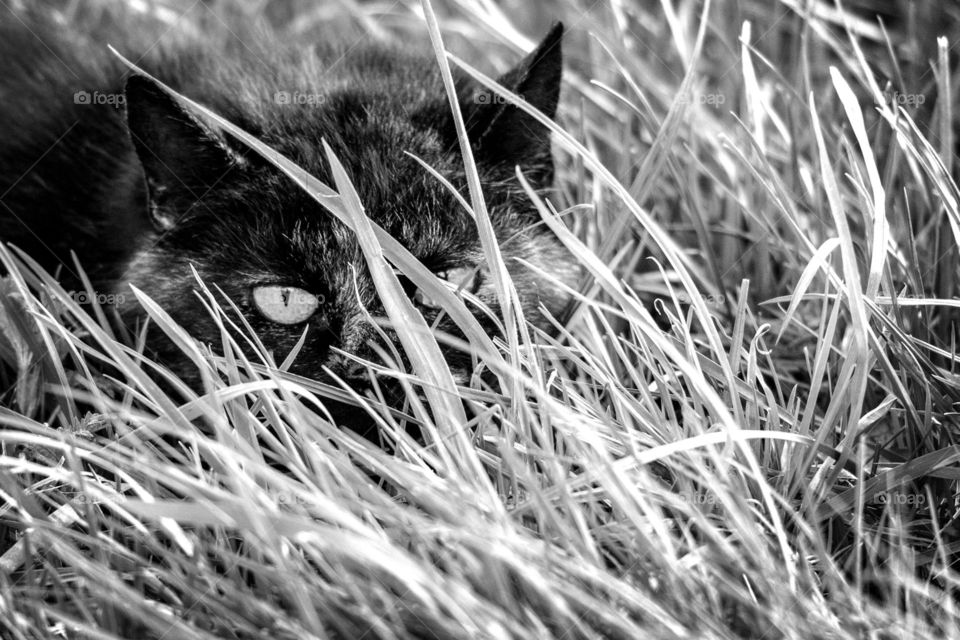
{"x":101,"y":160}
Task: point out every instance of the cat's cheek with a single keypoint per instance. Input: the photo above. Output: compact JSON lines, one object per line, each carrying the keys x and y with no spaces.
{"x":140,"y":272}
{"x":168,"y":281}
{"x":555,"y":272}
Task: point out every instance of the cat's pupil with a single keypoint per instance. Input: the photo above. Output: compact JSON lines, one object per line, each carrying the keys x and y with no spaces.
{"x":285,"y":305}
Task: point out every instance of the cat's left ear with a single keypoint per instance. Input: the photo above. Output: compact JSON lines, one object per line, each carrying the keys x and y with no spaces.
{"x":501,"y":132}
{"x":183,"y":158}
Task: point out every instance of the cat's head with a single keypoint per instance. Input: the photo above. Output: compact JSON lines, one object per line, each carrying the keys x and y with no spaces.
{"x":286,"y":262}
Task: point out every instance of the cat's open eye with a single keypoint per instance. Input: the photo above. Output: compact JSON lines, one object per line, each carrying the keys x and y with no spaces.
{"x":459,"y":279}
{"x":285,"y":305}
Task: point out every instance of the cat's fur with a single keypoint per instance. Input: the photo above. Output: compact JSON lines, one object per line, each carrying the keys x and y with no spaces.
{"x":72,"y":176}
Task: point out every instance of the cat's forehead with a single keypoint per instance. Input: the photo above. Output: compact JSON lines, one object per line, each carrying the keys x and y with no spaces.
{"x":416,"y":210}
{"x":292,"y":229}
{"x":368,"y":131}
{"x":389,"y":156}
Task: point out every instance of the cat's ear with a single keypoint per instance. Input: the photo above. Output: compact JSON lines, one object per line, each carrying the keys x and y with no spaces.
{"x":501,"y":132}
{"x":182,"y":157}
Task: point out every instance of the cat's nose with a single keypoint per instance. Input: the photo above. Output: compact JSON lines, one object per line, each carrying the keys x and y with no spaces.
{"x":346,"y":367}
{"x":355,"y":332}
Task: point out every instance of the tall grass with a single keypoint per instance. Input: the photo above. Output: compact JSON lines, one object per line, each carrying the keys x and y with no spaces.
{"x":746,"y":428}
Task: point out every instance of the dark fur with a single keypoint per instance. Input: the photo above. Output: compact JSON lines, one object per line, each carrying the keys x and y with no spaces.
{"x":72,"y":177}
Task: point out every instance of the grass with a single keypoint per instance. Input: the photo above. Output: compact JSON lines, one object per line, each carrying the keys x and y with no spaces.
{"x":746,"y":429}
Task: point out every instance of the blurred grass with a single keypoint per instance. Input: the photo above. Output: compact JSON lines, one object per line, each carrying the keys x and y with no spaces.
{"x":746,"y":430}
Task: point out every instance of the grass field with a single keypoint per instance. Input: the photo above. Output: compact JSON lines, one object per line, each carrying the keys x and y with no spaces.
{"x":747,"y":428}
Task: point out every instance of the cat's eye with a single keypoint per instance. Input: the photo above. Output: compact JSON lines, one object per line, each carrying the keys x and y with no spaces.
{"x":459,"y":279}
{"x":285,"y":305}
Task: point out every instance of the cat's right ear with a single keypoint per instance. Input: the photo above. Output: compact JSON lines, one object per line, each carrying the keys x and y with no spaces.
{"x":182,"y":157}
{"x":502,"y":133}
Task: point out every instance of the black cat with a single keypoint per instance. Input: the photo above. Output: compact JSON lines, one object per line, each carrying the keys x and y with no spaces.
{"x":106,"y":163}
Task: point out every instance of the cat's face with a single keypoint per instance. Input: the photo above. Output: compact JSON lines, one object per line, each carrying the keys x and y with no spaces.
{"x":287,"y":263}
